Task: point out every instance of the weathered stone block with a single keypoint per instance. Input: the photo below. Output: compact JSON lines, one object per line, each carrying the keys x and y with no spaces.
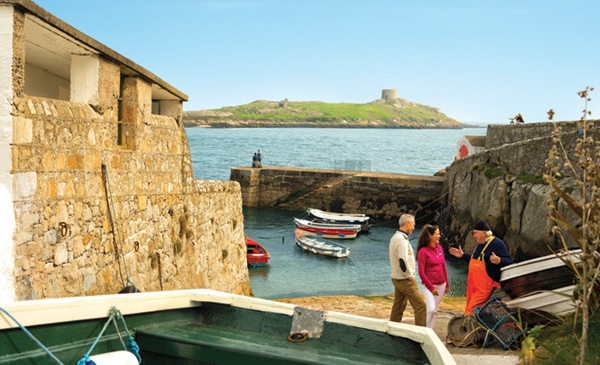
{"x":61,"y":254}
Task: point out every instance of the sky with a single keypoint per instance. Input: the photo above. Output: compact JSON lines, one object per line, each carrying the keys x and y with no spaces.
{"x":477,"y":61}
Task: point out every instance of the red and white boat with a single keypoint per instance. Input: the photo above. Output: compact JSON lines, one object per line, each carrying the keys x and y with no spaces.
{"x":256,"y":254}
{"x":324,"y":230}
{"x":316,"y":232}
{"x":326,"y":225}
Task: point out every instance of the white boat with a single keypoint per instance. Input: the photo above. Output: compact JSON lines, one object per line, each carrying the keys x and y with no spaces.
{"x":540,"y":283}
{"x":319,"y":245}
{"x":556,"y":301}
{"x":203,"y":326}
{"x":328,"y":225}
{"x":542,"y":273}
{"x":338,"y":217}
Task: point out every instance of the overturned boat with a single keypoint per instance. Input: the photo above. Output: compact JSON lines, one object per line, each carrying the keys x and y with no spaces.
{"x":544,"y":283}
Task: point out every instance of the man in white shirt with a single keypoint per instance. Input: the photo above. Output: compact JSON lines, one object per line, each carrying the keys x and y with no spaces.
{"x":402,"y":261}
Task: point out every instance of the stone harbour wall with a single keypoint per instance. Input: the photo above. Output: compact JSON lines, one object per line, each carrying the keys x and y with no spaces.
{"x":379,"y":195}
{"x":504,"y":186}
{"x":502,"y":134}
{"x":93,"y":215}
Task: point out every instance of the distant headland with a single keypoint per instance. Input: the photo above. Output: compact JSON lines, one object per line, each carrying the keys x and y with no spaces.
{"x":387,"y":112}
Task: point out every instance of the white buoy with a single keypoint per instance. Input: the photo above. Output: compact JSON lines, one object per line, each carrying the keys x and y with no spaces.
{"x":114,"y":358}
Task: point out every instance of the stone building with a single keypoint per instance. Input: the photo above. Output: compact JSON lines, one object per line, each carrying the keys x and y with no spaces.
{"x":469,"y":145}
{"x":96,"y":180}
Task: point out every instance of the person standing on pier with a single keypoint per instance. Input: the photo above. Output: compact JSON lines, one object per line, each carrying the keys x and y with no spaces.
{"x":402,"y":261}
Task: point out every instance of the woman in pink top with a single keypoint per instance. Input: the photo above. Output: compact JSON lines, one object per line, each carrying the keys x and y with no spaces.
{"x":432,"y":270}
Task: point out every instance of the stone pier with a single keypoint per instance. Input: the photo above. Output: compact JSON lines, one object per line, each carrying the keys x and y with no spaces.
{"x":382,"y":196}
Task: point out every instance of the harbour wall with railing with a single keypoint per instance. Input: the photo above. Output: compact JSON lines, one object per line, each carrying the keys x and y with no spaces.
{"x":382,"y":196}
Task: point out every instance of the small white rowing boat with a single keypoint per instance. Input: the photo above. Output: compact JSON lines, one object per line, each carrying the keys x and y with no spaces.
{"x":320,"y":246}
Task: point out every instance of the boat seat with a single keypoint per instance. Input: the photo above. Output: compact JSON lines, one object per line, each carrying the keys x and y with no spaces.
{"x":194,"y":342}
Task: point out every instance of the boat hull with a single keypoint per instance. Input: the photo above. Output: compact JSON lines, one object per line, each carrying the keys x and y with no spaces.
{"x":320,"y":246}
{"x":328,"y":233}
{"x":256,"y":254}
{"x":338,"y":217}
{"x":205,"y":326}
{"x":327,"y":225}
{"x":543,"y":284}
{"x":556,"y":301}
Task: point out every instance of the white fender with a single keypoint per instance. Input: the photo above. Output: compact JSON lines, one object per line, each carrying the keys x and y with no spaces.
{"x":114,"y":358}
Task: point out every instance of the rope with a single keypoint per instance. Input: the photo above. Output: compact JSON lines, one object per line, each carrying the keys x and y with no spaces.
{"x":131,"y":346}
{"x":116,"y":226}
{"x":31,"y":336}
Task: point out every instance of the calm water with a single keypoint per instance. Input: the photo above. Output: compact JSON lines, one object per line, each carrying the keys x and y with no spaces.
{"x":292,"y":271}
{"x":403,"y":151}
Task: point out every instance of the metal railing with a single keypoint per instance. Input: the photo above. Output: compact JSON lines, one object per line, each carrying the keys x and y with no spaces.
{"x":352,"y":165}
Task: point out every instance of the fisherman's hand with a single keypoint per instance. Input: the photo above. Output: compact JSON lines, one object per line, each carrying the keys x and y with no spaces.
{"x":456,"y":252}
{"x":495,"y":259}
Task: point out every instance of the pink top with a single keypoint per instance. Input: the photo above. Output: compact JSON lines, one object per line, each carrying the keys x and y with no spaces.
{"x":432,"y":266}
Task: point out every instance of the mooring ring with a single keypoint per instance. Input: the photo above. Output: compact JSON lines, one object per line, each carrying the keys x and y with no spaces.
{"x":64,"y":228}
{"x":298,"y":337}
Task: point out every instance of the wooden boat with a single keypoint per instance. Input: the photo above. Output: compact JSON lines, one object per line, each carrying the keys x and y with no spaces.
{"x":338,"y":217}
{"x":319,"y":245}
{"x":256,"y":254}
{"x":327,"y":232}
{"x":203,"y":326}
{"x":540,"y":283}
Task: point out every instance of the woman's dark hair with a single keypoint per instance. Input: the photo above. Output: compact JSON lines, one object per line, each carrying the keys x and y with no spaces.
{"x":425,"y":236}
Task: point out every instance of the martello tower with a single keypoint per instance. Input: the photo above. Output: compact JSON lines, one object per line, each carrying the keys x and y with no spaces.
{"x":389,"y":94}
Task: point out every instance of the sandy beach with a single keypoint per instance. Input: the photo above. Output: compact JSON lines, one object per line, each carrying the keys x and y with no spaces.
{"x":379,"y":306}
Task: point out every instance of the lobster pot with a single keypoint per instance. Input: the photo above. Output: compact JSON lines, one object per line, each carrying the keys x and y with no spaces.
{"x":495,"y":316}
{"x":114,"y":358}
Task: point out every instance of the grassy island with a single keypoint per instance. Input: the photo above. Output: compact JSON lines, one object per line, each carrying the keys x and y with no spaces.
{"x":397,"y":113}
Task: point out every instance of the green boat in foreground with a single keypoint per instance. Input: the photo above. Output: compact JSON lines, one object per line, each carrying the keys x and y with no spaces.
{"x":202,"y":326}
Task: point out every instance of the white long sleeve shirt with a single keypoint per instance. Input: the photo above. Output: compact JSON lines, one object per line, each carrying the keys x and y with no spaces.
{"x":402,"y":258}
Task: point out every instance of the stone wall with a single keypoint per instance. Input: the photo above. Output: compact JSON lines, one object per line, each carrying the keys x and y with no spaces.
{"x":379,"y":195}
{"x":502,"y":134}
{"x":503,"y":186}
{"x":91,"y":214}
{"x":526,"y":150}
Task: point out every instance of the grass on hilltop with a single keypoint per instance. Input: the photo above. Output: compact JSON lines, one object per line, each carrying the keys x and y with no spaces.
{"x":385,"y":112}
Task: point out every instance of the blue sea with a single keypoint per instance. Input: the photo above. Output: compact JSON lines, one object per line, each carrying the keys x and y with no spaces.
{"x":293,"y":272}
